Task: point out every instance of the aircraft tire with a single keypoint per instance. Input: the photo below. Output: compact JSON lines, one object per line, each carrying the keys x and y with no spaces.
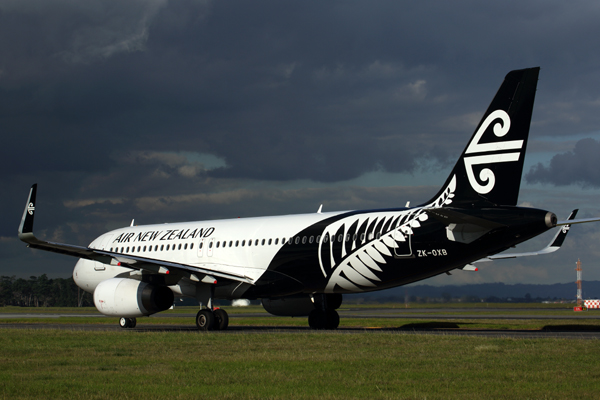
{"x":124,"y":322}
{"x":323,"y":319}
{"x":332,"y":320}
{"x":221,"y":320}
{"x":205,"y":320}
{"x":132,"y":322}
{"x":317,"y":319}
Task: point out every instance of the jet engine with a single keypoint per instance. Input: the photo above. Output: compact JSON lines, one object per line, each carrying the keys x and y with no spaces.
{"x":299,"y":305}
{"x":131,"y":298}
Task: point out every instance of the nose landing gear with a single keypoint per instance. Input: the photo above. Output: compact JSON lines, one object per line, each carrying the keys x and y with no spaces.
{"x":127,"y":322}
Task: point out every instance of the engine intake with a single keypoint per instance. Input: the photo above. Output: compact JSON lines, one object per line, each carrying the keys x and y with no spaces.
{"x":125,"y":297}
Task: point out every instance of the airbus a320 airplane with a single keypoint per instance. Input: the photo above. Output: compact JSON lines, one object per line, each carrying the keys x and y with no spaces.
{"x":301,"y":265}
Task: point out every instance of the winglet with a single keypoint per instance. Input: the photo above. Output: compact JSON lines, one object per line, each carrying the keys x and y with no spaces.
{"x":26,"y":226}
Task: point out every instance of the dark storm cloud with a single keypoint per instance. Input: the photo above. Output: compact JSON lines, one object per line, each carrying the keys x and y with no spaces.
{"x":579,"y":166}
{"x":106,"y":103}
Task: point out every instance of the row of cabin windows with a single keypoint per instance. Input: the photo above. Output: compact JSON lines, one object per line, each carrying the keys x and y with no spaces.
{"x":141,"y":249}
{"x":297,"y":240}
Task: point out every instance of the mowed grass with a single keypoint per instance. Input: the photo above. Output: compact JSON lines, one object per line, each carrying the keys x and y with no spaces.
{"x":185,"y":317}
{"x":49,"y":363}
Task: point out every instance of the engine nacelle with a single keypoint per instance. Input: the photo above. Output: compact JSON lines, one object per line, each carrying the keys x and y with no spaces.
{"x":130,"y":298}
{"x":299,"y":305}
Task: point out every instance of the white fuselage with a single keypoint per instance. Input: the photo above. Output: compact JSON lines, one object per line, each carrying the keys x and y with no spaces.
{"x":242,"y":246}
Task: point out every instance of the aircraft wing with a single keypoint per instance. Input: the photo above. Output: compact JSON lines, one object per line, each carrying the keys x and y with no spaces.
{"x":106,"y":257}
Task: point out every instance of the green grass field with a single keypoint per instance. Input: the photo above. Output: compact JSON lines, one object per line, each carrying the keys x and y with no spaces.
{"x":238,"y":319}
{"x":50,"y":363}
{"x":154,"y":365}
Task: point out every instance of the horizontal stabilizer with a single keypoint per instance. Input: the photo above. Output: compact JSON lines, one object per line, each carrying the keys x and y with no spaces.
{"x":555,"y":243}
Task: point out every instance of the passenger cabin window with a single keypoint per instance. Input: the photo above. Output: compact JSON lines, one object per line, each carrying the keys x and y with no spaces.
{"x":297,"y":239}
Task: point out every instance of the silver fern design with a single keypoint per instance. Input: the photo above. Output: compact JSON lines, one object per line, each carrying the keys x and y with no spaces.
{"x":354,"y":250}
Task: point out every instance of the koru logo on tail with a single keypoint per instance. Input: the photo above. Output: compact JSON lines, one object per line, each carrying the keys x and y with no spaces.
{"x":486,"y":176}
{"x":30,"y":208}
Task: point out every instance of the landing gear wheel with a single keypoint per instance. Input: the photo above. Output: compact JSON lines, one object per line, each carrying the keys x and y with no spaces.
{"x":332,"y":320}
{"x":205,"y":320}
{"x":323,"y":319}
{"x":221,"y":319}
{"x":127,"y":322}
{"x":316,"y":319}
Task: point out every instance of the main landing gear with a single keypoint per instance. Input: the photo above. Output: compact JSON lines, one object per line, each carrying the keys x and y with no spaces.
{"x":324,"y":315}
{"x":216,"y":320}
{"x":127,"y":322}
{"x":209,"y":318}
{"x":323,"y":319}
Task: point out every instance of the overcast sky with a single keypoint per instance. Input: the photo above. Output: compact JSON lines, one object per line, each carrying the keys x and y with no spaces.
{"x":196,"y":109}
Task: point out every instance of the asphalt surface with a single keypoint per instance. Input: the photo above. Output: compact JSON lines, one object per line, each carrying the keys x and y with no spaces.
{"x":435,"y":323}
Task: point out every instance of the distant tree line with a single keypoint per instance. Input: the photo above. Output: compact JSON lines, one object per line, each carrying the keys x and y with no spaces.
{"x":41,"y":292}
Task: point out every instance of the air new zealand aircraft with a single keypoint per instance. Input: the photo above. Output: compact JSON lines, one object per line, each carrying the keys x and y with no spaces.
{"x":301,"y":265}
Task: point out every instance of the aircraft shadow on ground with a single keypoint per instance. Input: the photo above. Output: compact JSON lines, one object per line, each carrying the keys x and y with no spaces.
{"x":569,"y":328}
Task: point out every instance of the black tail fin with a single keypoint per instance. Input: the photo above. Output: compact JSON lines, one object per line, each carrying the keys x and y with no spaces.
{"x":489,"y":169}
